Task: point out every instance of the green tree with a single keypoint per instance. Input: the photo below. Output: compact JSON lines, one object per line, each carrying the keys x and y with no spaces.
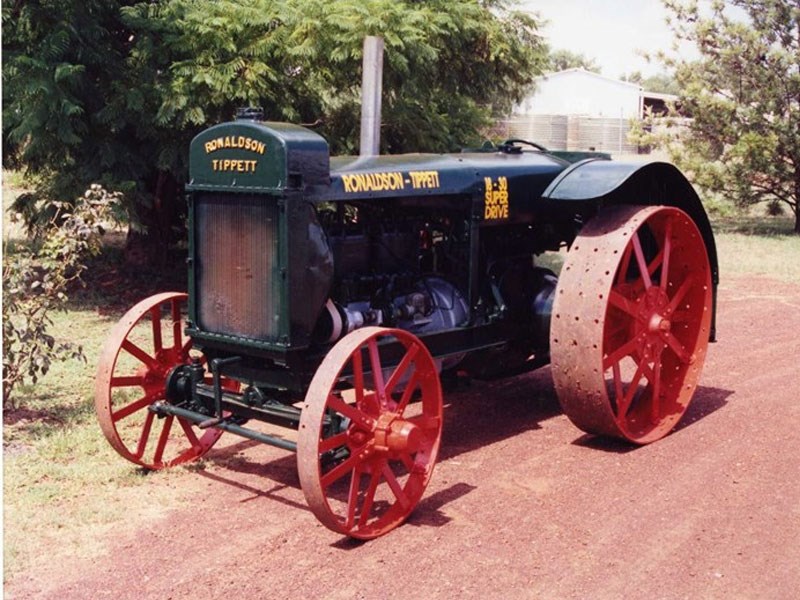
{"x":743,"y":94}
{"x":561,"y":60}
{"x":112,"y":92}
{"x":661,"y":83}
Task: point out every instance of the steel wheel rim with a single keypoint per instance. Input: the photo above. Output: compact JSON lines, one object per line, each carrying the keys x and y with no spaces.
{"x":631,"y":322}
{"x":363,"y":476}
{"x":131,"y":428}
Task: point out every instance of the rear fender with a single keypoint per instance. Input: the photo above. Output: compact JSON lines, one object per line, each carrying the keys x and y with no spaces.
{"x":592,"y":184}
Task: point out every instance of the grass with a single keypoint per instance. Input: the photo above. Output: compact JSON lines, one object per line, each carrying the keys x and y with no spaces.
{"x":758,"y":246}
{"x":63,"y":484}
{"x":746,"y":246}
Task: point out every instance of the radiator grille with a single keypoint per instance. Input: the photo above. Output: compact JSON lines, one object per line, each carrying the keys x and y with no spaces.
{"x":236,"y":248}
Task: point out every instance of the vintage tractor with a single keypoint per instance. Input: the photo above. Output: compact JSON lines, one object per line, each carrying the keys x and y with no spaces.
{"x":330,"y":296}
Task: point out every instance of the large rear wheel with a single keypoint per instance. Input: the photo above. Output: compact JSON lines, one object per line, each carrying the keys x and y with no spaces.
{"x":631,"y":322}
{"x":365,"y":450}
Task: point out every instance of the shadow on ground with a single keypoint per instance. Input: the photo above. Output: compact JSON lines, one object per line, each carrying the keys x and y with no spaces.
{"x":478,"y":414}
{"x":706,"y":401}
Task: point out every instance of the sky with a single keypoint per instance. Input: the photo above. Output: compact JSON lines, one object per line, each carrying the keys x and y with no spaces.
{"x":610,"y":31}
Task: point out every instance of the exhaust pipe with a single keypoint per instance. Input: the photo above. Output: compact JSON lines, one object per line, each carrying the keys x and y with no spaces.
{"x":371,"y":86}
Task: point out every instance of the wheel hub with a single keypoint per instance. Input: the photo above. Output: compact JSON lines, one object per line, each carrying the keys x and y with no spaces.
{"x":653,"y":316}
{"x":396,"y":435}
{"x":659,"y":324}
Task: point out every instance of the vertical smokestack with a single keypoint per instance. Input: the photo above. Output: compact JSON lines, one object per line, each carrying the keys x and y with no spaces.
{"x":371,"y":85}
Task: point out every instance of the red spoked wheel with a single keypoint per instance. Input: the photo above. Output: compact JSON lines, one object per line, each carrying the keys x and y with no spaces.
{"x":365,"y":451}
{"x":141,"y":351}
{"x":631,"y":322}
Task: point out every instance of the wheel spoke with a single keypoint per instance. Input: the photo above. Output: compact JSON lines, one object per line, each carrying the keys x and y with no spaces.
{"x":155,"y":318}
{"x":655,"y":263}
{"x":681,"y":317}
{"x":163,"y":439}
{"x":177,"y":325}
{"x":401,"y":369}
{"x":679,"y":295}
{"x":377,"y":370}
{"x":186,"y":347}
{"x":395,"y":486}
{"x":145,"y":435}
{"x":369,"y":497}
{"x":127,"y":381}
{"x":139,"y":354}
{"x":411,"y":385}
{"x":621,"y":302}
{"x":655,"y":396}
{"x":352,"y":497}
{"x":667,"y":249}
{"x":617,"y":382}
{"x":333,"y":442}
{"x":677,"y":348}
{"x":350,"y":411}
{"x":136,"y":405}
{"x":624,"y":403}
{"x":189,"y":453}
{"x":340,"y":470}
{"x":617,"y":355}
{"x":190,"y":434}
{"x":640,"y":260}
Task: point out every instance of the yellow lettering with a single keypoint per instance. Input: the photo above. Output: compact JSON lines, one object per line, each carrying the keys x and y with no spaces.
{"x":355,"y":183}
{"x":241,"y":166}
{"x":246,"y":143}
{"x":495,"y":200}
{"x":424,"y":179}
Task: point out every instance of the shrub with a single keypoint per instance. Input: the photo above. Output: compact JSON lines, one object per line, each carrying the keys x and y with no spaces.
{"x":35,"y":283}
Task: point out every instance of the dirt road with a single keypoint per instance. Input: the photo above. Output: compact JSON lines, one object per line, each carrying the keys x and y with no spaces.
{"x":522,"y":504}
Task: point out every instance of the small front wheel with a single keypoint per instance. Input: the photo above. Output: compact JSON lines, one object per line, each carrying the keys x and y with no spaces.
{"x":141,"y":351}
{"x":369,"y":432}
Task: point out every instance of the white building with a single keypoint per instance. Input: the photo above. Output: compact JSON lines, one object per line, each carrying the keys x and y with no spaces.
{"x":580,"y":92}
{"x":580,"y":110}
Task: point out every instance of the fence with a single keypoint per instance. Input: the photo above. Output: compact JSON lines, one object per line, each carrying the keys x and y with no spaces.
{"x":572,"y":132}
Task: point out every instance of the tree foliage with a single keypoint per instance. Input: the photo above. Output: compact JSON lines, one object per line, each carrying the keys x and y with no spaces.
{"x":561,"y":60}
{"x":112,"y":92}
{"x":743,"y":94}
{"x":661,"y":83}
